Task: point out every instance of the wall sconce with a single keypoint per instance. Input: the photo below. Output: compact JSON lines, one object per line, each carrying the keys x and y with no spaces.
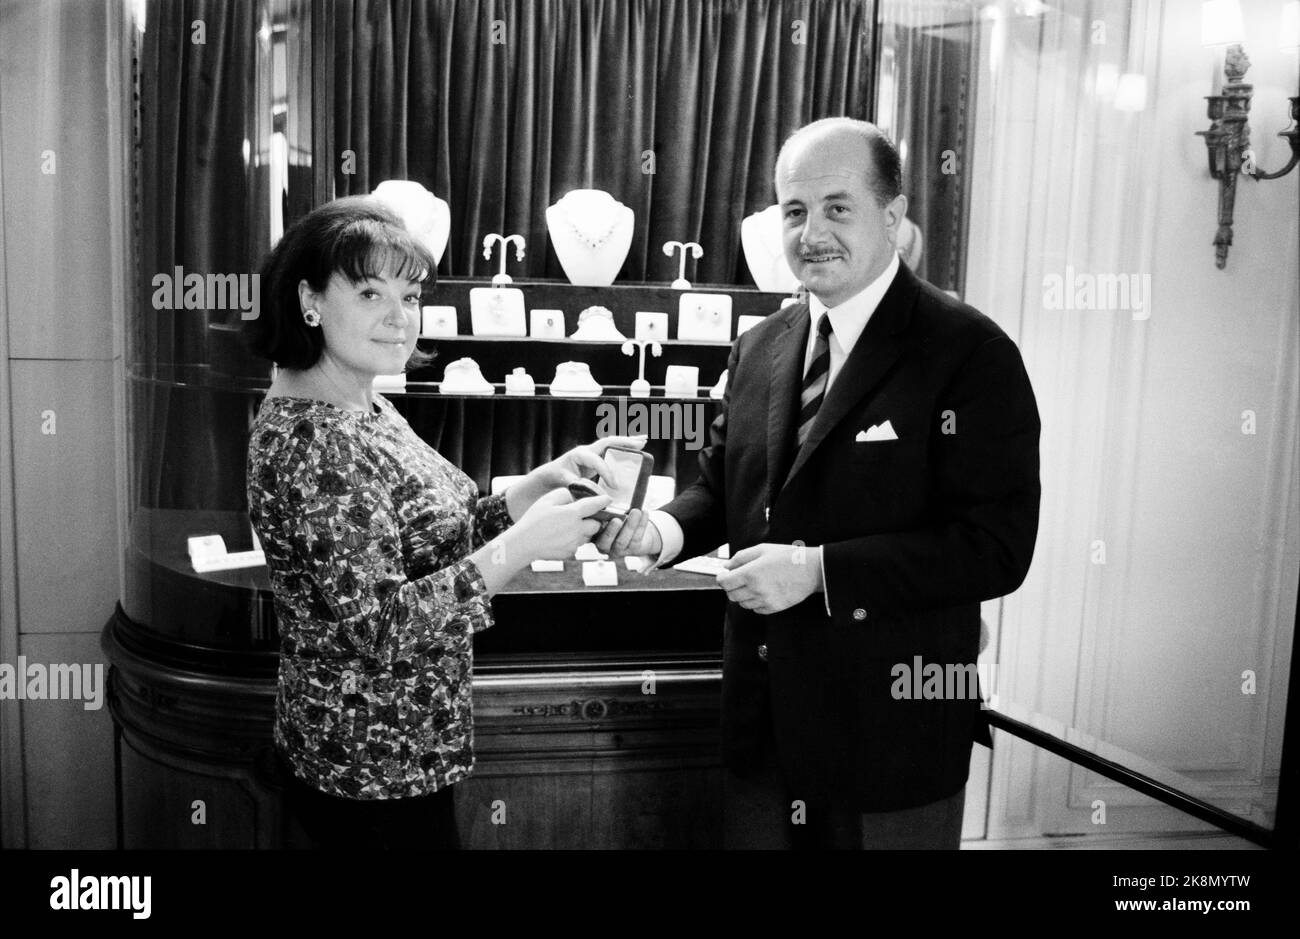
{"x":1228,"y":139}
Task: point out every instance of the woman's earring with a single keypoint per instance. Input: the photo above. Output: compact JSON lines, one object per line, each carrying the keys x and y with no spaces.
{"x":311,"y":318}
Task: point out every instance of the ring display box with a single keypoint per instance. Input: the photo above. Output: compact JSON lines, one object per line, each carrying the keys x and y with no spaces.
{"x":500,"y":484}
{"x":519,"y":382}
{"x":651,"y":326}
{"x":704,"y":317}
{"x":682,"y":381}
{"x":438,"y":321}
{"x":497,"y":311}
{"x":546,"y":324}
{"x":600,"y":573}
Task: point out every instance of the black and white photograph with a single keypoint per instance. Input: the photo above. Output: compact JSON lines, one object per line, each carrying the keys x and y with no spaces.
{"x":521,"y":427}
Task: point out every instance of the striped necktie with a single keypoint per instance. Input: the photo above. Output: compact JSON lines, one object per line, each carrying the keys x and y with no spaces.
{"x":814,"y":381}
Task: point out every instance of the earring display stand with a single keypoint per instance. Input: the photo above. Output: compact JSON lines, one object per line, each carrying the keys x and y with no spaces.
{"x":689,"y":247}
{"x":641,"y":388}
{"x":505,"y":241}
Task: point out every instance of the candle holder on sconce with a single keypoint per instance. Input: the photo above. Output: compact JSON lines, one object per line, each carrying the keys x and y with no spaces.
{"x":1227,"y":143}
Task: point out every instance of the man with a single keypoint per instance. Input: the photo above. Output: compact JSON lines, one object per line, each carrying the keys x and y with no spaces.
{"x":875,"y":470}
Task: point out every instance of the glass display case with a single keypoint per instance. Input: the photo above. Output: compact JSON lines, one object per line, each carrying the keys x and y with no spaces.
{"x":231,"y":142}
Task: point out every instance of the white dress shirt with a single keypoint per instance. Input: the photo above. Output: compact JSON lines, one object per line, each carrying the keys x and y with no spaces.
{"x":847,"y":322}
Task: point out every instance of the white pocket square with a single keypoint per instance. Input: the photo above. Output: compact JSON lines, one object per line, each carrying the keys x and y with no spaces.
{"x":876,"y":433}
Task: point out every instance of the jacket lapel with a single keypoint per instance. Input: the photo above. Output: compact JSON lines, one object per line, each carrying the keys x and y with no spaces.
{"x":786,"y":377}
{"x":875,"y":353}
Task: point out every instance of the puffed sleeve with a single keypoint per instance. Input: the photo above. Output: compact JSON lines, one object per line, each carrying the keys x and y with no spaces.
{"x":341,"y":534}
{"x":491,"y":518}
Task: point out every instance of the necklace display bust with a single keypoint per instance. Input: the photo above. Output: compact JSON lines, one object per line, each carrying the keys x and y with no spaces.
{"x":591,"y":232}
{"x":426,"y":216}
{"x":760,"y":236}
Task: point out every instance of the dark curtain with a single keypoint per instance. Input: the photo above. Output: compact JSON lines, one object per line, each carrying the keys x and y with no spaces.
{"x":675,"y":107}
{"x":937,"y":68}
{"x":196,"y":190}
{"x":204,"y":115}
{"x":585,"y":93}
{"x":582,"y":93}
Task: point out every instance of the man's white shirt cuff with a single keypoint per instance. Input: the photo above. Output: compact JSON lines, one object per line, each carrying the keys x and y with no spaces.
{"x":821,"y":557}
{"x":670,"y":533}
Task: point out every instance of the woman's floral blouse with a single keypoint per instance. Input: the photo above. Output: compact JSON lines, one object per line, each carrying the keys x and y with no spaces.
{"x":367,"y":532}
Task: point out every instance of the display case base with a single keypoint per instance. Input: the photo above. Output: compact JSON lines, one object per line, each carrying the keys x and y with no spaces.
{"x":572,"y":751}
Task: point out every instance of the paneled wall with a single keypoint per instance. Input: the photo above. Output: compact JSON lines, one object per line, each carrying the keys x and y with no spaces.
{"x":62,"y":152}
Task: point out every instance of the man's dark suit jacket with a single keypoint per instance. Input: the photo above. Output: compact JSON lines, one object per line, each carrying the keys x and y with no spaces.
{"x":916,"y":532}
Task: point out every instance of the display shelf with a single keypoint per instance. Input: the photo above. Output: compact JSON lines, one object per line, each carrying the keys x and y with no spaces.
{"x":430,"y":388}
{"x":541,"y":614}
{"x":201,"y":377}
{"x":623,"y":300}
{"x":167,"y":530}
{"x":569,"y":340}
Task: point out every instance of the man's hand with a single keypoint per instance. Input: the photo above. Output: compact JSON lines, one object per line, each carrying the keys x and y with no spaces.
{"x":635,"y":535}
{"x":769,"y":578}
{"x":579,"y":462}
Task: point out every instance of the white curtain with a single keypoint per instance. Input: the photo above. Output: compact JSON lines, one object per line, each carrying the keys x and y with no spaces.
{"x":1165,"y":575}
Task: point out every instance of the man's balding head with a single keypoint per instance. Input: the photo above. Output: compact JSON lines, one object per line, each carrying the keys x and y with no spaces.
{"x":837,"y":185}
{"x":860,"y":140}
{"x":837,"y":182}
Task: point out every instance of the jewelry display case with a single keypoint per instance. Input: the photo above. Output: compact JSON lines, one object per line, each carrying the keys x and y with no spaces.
{"x":632,"y":669}
{"x":572,"y":680}
{"x":596,"y":708}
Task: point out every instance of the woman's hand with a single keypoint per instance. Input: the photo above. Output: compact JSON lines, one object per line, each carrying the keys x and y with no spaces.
{"x":584,"y":461}
{"x":553,"y":528}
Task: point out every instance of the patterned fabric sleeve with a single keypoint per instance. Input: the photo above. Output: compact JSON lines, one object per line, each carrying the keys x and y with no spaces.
{"x":342,"y":533}
{"x":491,"y":518}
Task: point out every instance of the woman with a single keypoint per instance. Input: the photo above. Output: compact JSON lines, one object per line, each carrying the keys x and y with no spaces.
{"x":382,"y":555}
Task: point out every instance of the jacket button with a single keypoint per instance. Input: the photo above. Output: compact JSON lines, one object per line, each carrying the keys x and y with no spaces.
{"x":859,"y":614}
{"x":762,"y":653}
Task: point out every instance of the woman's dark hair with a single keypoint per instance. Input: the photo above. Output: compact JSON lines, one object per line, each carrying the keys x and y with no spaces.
{"x":355,"y":236}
